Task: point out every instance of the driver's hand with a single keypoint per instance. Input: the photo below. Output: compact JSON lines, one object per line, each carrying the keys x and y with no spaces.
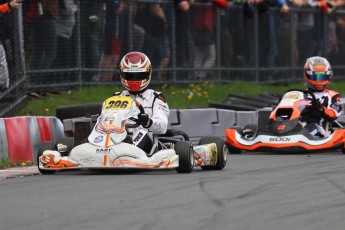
{"x":316,"y":104}
{"x":144,"y":120}
{"x":317,"y":108}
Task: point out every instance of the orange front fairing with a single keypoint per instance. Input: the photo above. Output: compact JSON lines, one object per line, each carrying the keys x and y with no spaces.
{"x":266,"y":142}
{"x":295,"y":110}
{"x":285,"y":117}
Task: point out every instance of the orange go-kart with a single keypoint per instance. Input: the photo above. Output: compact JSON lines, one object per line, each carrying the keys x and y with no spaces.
{"x":282,"y":129}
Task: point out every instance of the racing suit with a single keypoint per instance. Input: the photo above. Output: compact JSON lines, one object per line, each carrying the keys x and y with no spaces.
{"x":329,"y":109}
{"x":158,"y":111}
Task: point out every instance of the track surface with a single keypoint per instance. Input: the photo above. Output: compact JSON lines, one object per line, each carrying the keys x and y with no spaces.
{"x":254,"y":191}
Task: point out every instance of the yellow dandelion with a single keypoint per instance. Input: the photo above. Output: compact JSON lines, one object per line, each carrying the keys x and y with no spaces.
{"x":23,"y":164}
{"x":46,"y":110}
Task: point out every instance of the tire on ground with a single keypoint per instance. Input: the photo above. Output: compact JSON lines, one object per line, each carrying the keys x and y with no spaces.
{"x":44,"y":146}
{"x":184,"y":150}
{"x":222,"y":152}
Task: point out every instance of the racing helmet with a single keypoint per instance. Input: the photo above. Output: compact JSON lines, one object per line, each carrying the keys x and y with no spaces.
{"x":317,"y":73}
{"x":135,"y":72}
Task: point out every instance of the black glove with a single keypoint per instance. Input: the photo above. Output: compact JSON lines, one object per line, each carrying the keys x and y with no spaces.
{"x":144,"y":120}
{"x":317,"y":108}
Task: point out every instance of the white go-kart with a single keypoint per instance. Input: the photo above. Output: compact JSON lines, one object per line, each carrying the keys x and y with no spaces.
{"x":107,"y":147}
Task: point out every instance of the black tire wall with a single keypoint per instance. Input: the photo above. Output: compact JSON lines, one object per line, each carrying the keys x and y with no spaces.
{"x":79,"y":110}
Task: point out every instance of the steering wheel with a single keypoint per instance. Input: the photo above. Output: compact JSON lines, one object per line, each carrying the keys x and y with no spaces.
{"x":306,"y":91}
{"x":141,"y":109}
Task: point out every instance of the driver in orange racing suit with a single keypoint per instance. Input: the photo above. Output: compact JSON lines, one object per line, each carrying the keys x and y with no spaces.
{"x":135,"y":74}
{"x":327,"y":107}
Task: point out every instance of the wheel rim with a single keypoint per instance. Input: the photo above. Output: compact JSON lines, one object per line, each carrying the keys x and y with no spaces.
{"x":191,"y":156}
{"x":225,"y":153}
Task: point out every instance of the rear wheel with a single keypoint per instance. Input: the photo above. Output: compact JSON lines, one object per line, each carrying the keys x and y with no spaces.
{"x":232,"y":149}
{"x":184,"y":150}
{"x":222,"y":152}
{"x":44,"y":146}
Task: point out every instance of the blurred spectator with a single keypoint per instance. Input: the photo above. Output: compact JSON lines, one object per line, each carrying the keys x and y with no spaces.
{"x":306,"y":44}
{"x":65,"y":24}
{"x":43,"y":36}
{"x":114,"y":33}
{"x":287,"y":40}
{"x":119,"y":37}
{"x":151,"y":17}
{"x":184,"y":45}
{"x":336,"y":39}
{"x":205,"y":48}
{"x":267,"y":45}
{"x":4,"y":34}
{"x":274,"y":30}
{"x":91,"y":19}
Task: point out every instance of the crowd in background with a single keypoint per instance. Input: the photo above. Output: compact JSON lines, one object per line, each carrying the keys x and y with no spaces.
{"x":52,"y":36}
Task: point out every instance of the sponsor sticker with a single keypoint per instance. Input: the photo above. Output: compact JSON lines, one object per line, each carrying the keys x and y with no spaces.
{"x":102,"y":150}
{"x":98,"y":139}
{"x":293,"y":96}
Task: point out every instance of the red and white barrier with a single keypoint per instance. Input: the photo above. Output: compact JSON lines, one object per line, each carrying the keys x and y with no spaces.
{"x":20,"y":137}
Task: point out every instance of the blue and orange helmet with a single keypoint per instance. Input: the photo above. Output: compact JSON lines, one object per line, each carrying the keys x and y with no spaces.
{"x":317,"y":73}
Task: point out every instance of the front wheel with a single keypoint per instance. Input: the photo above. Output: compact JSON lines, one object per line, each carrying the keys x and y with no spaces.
{"x":184,"y":150}
{"x":44,"y":146}
{"x":222,"y":152}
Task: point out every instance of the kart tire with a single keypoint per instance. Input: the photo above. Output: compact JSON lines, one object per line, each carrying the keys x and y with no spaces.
{"x":232,"y":149}
{"x":343,"y":149}
{"x":78,"y":110}
{"x":184,"y":150}
{"x":222,"y":152}
{"x":44,"y":146}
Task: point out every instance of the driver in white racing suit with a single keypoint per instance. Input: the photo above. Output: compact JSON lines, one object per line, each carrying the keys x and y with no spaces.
{"x":135,"y":75}
{"x":327,"y":107}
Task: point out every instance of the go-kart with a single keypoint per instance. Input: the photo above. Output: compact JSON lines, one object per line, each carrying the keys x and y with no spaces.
{"x":110,"y":147}
{"x":283,"y":129}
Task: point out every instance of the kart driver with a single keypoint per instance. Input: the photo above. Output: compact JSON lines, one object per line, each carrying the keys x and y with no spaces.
{"x":327,"y":107}
{"x":135,"y":75}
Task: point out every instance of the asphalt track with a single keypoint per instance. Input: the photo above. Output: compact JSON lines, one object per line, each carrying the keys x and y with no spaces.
{"x":258,"y":191}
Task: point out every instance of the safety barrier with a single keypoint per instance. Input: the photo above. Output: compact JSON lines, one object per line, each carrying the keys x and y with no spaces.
{"x":195,"y":122}
{"x":20,"y":137}
{"x":208,"y":121}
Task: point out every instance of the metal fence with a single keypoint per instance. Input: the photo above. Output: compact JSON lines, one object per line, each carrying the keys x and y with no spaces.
{"x":16,"y":93}
{"x":70,"y":43}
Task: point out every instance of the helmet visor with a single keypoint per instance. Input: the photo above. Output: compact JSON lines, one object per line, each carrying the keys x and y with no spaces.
{"x":319,"y":77}
{"x":135,"y":76}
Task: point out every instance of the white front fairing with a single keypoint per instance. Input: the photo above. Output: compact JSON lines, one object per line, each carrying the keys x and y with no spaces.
{"x":122,"y":155}
{"x":290,"y":98}
{"x":288,"y":139}
{"x":110,"y":127}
